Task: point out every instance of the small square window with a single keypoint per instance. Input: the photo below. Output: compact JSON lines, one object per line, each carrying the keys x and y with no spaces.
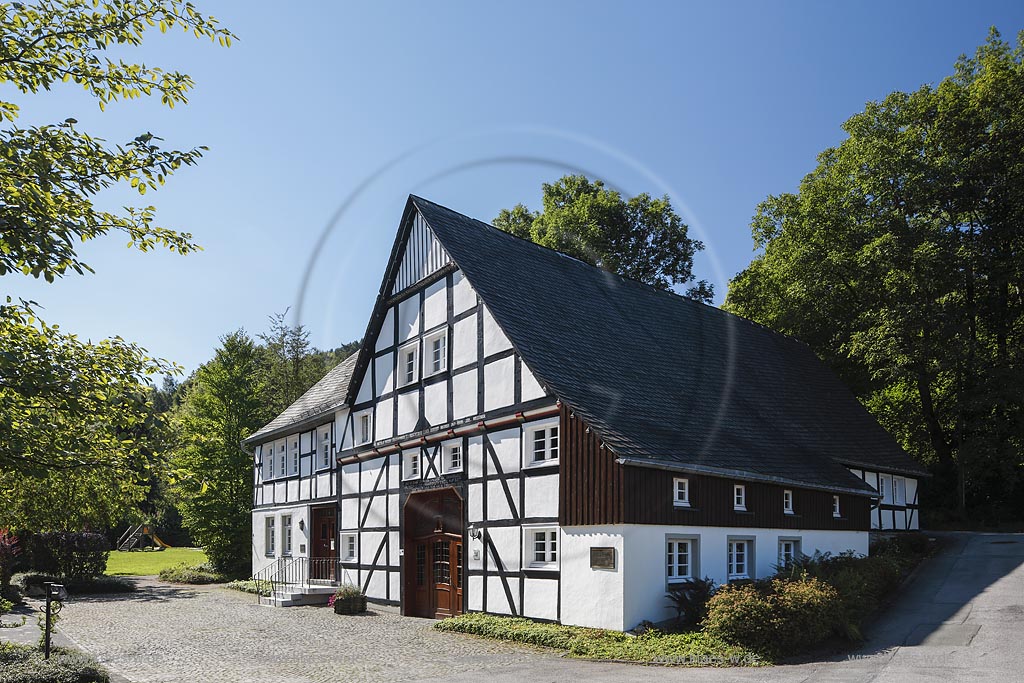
{"x":364,"y":428}
{"x":835,"y":507}
{"x":411,"y":465}
{"x":435,"y":348}
{"x":409,"y":365}
{"x":787,"y":502}
{"x":679,"y":565}
{"x":545,"y":444}
{"x":739,"y":497}
{"x":544,"y":547}
{"x":349,"y":552}
{"x":681,"y":492}
{"x":454,"y":458}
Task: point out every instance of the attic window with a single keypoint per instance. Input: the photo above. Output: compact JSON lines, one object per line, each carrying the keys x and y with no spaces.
{"x":435,"y":349}
{"x":835,"y":507}
{"x":408,"y":364}
{"x":363,"y":428}
{"x":787,"y":502}
{"x":681,"y":492}
{"x":739,"y":497}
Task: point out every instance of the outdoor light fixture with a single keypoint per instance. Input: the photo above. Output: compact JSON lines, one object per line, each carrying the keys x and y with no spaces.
{"x":474,"y":533}
{"x":302,"y":525}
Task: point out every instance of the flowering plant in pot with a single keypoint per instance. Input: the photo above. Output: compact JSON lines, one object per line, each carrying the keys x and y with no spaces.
{"x":348,"y":599}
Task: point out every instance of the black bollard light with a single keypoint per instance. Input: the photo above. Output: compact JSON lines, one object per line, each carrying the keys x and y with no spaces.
{"x":54,"y":594}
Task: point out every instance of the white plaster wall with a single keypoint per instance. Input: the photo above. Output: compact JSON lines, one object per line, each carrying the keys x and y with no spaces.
{"x":365,"y":392}
{"x":540,"y":599}
{"x":464,"y":346}
{"x":435,"y":305}
{"x":383,"y":420}
{"x":385,"y":373}
{"x":370,"y":471}
{"x":300,"y":537}
{"x":497,"y":601}
{"x":408,"y":411}
{"x":531,"y":388}
{"x":435,"y":403}
{"x":476,"y":503}
{"x":507,"y":541}
{"x":541,"y":495}
{"x":475,"y":457}
{"x":506,"y":446}
{"x":464,"y":398}
{"x":499,"y":383}
{"x":463,"y":296}
{"x":476,"y":593}
{"x":386,"y":337}
{"x":591,"y":597}
{"x":408,"y":318}
{"x":350,"y":478}
{"x":497,"y":501}
{"x":494,"y":339}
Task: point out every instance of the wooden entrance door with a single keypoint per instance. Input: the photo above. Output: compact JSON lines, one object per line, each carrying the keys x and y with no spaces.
{"x":434,"y":562}
{"x":323,"y":553}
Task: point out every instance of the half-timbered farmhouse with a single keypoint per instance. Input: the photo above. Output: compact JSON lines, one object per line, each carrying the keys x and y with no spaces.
{"x":523,"y":433}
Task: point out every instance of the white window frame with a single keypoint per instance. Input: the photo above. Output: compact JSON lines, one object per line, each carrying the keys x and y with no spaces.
{"x":449,"y":457}
{"x":350,"y":547}
{"x":293,"y":455}
{"x":268,"y":459}
{"x":403,"y":363}
{"x":552,"y":444}
{"x":358,"y":437}
{"x":683,"y":500}
{"x":286,"y":535}
{"x":550,"y":550}
{"x":739,"y":497}
{"x":270,"y":536}
{"x":899,"y":491}
{"x":429,"y":366}
{"x":796,"y":551}
{"x":672,"y":574}
{"x":885,"y":488}
{"x":412,"y":460}
{"x":787,"y":501}
{"x":281,"y":449}
{"x":323,"y":448}
{"x":732,"y":562}
{"x":836,"y":510}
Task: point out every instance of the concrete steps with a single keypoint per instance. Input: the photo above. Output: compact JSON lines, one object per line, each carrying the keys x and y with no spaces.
{"x":289,"y":596}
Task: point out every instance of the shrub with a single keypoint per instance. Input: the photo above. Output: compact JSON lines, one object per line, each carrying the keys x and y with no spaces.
{"x":653,"y":646}
{"x":780,"y":618}
{"x":71,"y":554}
{"x":25,"y":664}
{"x":32,"y":584}
{"x":690,"y":599}
{"x":194,"y":574}
{"x":249,"y":586}
{"x":9,"y":550}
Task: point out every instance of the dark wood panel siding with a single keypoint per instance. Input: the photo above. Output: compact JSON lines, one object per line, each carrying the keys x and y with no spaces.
{"x":590,"y":482}
{"x":649,"y":501}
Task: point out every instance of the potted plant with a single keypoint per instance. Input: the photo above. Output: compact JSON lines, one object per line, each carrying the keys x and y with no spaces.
{"x":348,"y":599}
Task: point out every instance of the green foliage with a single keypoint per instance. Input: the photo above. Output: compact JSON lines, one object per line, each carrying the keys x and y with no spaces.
{"x":900,"y":262}
{"x":72,"y":555}
{"x":9,"y":551}
{"x":224,"y":403}
{"x":194,"y":574}
{"x":642,"y":238}
{"x":779,"y":618}
{"x":690,"y":599}
{"x":348,"y":590}
{"x":694,"y":649}
{"x":32,"y":584}
{"x":25,"y":664}
{"x":249,"y":586}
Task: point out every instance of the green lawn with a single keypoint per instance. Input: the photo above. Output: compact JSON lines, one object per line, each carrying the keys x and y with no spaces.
{"x":150,"y":562}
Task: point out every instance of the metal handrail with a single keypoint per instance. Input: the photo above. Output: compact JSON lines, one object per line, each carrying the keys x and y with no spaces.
{"x":297,"y":572}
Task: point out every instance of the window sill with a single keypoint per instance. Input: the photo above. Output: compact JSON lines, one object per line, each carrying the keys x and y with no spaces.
{"x":678,"y":579}
{"x":549,"y":566}
{"x":789,"y":513}
{"x":685,"y":506}
{"x":543,"y":463}
{"x":736,"y":508}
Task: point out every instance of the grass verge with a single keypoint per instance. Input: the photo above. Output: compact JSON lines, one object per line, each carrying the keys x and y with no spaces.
{"x":150,"y":562}
{"x":653,"y":647}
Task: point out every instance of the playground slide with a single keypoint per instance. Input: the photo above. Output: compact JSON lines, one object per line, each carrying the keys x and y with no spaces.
{"x":156,"y":539}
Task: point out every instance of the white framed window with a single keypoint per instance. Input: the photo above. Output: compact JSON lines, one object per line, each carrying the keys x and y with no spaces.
{"x":680,"y":557}
{"x":544,"y":444}
{"x":286,"y":534}
{"x":293,"y":455}
{"x":787,"y":502}
{"x":411,"y":464}
{"x":739,"y":558}
{"x":836,"y":512}
{"x":324,"y":448}
{"x":349,"y":548}
{"x":885,"y":488}
{"x":270,"y":537}
{"x":268,"y":458}
{"x":899,"y":491}
{"x":789,"y":551}
{"x":739,"y":497}
{"x":435,"y":351}
{"x":681,"y":492}
{"x":363,"y":425}
{"x":542,"y":547}
{"x":409,"y":364}
{"x":282,"y":457}
{"x":453,"y":458}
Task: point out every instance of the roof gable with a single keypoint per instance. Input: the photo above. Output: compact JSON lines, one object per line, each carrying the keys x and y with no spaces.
{"x":664,"y":378}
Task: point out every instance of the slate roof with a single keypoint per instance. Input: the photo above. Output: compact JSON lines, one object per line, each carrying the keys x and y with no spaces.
{"x":665,"y":380}
{"x":325,"y":396}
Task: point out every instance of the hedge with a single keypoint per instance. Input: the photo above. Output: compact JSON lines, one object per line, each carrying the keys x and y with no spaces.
{"x":193,"y":574}
{"x":31,"y":583}
{"x":25,"y":664}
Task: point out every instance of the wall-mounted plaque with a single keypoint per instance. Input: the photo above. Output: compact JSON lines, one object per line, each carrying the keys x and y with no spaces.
{"x":602,"y":558}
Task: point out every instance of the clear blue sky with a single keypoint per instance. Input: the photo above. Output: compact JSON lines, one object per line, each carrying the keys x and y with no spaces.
{"x":719,"y":104}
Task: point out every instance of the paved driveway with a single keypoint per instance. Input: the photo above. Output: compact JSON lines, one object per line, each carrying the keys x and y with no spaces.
{"x":961,"y":619}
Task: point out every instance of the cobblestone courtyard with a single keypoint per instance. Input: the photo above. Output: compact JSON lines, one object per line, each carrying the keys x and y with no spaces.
{"x":174,"y":633}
